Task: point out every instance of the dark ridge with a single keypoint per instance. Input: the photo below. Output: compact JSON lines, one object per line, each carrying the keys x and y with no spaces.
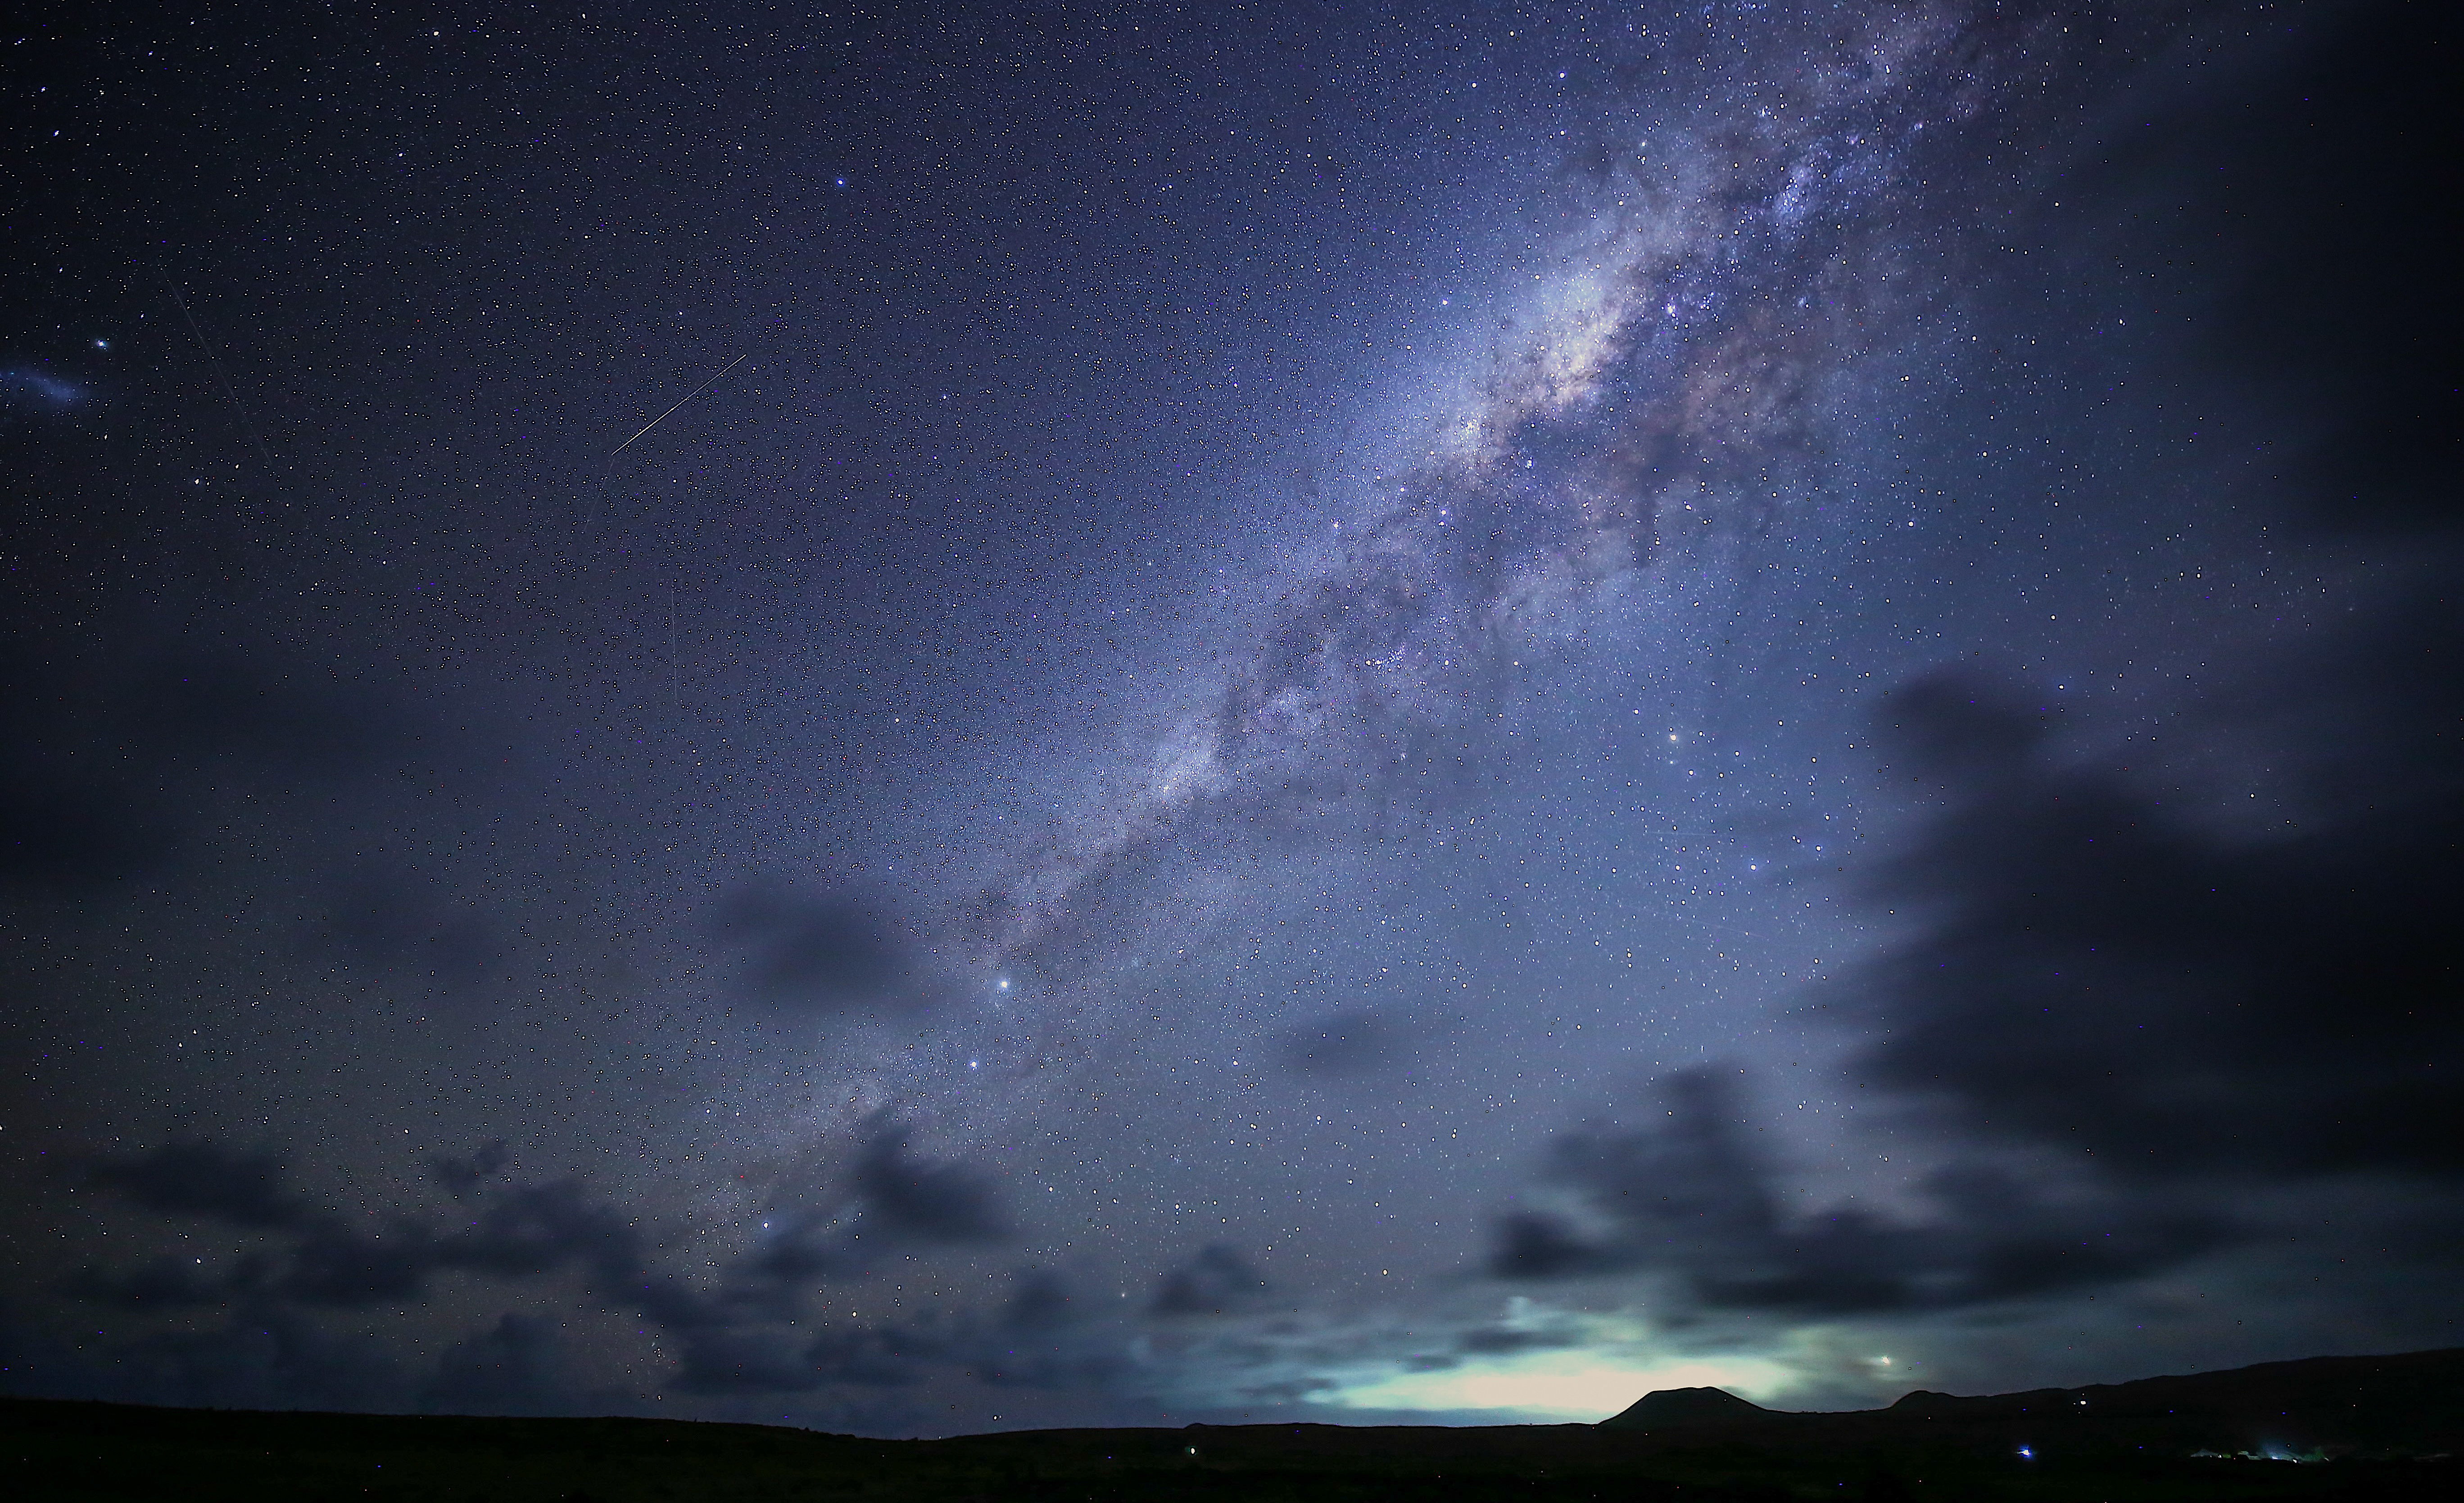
{"x":2380,"y":1428}
{"x":2414,"y":1399}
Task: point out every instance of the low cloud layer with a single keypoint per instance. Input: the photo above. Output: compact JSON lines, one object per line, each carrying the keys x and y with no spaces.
{"x":733,"y":1335}
{"x":326,"y":1259}
{"x":1693,"y":1200}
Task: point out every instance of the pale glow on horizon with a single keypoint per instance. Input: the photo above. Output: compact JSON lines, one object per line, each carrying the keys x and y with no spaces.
{"x":1557,"y":1385}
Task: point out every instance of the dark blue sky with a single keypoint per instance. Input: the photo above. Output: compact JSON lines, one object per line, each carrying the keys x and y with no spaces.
{"x":1424,"y":713}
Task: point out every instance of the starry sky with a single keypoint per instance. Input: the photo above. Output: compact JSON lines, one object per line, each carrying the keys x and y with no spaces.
{"x":918,"y":719}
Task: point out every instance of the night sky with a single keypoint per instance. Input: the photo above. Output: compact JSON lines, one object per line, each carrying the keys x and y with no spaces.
{"x":918,"y":719}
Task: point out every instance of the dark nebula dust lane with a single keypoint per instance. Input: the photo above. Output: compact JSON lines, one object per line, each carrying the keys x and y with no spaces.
{"x":931,"y":722}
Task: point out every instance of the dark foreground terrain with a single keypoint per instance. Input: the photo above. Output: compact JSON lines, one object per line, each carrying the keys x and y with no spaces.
{"x":2332,"y":1428}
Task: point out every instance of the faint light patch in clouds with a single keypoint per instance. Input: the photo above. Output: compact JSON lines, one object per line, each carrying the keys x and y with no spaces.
{"x":1575,"y":1384}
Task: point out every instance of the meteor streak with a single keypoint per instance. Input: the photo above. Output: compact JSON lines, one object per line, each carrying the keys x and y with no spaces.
{"x":671,"y":412}
{"x":215,"y":360}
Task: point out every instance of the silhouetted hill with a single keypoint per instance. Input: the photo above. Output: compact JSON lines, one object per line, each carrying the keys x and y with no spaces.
{"x":2412,"y":1403}
{"x":2120,"y":1442}
{"x":1666,"y":1406}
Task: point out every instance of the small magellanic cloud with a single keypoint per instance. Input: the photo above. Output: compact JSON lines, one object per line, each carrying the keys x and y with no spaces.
{"x":1558,"y":1386}
{"x":22,"y":387}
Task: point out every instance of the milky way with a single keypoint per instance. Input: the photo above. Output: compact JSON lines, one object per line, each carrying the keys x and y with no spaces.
{"x":1431,"y":716}
{"x":1670,"y":371}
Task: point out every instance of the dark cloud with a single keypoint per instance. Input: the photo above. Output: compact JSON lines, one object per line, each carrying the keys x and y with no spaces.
{"x":736,"y":1343}
{"x":460,"y":1177}
{"x":1045,"y":1338}
{"x":817,"y":952}
{"x":932,"y":1201}
{"x":1494,"y":1341}
{"x":167,"y":1283}
{"x":723,"y":1360}
{"x":516,"y":1232}
{"x":194,"y":1177}
{"x":1217,"y":1281}
{"x":519,"y":1233}
{"x":1355,"y":1042}
{"x":2315,"y":202}
{"x":67,"y":826}
{"x":851,"y":1354}
{"x":754,"y":1335}
{"x":2178,"y":1015}
{"x":101,"y":777}
{"x":891,"y":1354}
{"x":265,"y":1355}
{"x":71,"y":818}
{"x":517,"y":1366}
{"x":736,"y":1339}
{"x":335,"y":1264}
{"x":1041,"y":1301}
{"x":287,"y":726}
{"x":2101,"y":973}
{"x":676,"y":1307}
{"x":2112,"y":975}
{"x":805,"y":1249}
{"x":1690,"y":1197}
{"x":534,"y":1229}
{"x":398,"y":924}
